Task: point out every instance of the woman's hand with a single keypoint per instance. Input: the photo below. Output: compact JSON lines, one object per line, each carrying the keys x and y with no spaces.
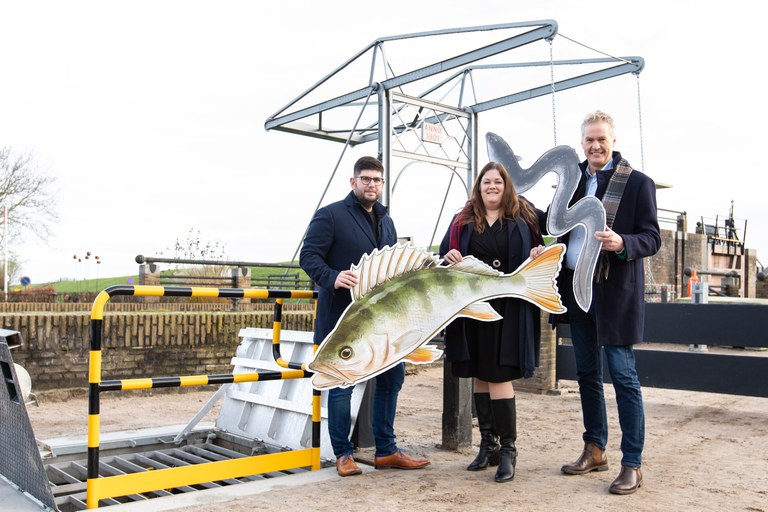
{"x":535,"y":251}
{"x":452,"y":256}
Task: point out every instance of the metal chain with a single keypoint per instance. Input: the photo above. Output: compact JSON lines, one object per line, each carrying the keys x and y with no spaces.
{"x":552,"y":85}
{"x":649,"y":270}
{"x":640,"y":121}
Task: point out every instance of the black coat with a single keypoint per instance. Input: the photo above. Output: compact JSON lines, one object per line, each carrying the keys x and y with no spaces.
{"x":525,"y":353}
{"x":619,"y":300}
{"x":338,"y":235}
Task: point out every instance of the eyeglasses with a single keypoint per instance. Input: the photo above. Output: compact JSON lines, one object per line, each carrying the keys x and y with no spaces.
{"x":368,"y":179}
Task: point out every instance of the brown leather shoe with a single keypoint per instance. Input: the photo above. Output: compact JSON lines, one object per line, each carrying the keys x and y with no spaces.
{"x":591,"y":459}
{"x":345,"y":466}
{"x":399,"y":460}
{"x":628,"y":481}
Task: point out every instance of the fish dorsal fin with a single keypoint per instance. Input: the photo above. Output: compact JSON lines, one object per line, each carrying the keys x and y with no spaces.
{"x":472,"y":265}
{"x":387,"y":263}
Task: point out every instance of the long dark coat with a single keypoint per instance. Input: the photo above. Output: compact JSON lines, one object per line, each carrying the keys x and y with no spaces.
{"x":338,"y":235}
{"x":525,"y":354}
{"x":619,"y":300}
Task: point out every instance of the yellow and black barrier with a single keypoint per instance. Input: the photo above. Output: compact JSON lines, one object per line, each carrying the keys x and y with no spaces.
{"x":121,"y":485}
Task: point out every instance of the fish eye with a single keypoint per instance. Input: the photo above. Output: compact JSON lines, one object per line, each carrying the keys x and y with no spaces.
{"x":345,"y":353}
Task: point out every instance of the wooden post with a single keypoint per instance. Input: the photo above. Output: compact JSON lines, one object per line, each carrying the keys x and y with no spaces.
{"x":457,"y":410}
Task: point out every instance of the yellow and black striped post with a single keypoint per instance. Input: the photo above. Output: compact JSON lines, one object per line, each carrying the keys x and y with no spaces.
{"x":99,"y":488}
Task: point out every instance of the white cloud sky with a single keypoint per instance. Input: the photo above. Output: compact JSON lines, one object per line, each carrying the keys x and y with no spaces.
{"x":151,"y":114}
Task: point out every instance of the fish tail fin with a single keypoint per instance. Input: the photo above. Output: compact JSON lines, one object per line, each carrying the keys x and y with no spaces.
{"x":539,"y":275}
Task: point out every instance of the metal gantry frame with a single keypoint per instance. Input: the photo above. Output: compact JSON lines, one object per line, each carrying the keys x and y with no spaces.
{"x":393,"y":99}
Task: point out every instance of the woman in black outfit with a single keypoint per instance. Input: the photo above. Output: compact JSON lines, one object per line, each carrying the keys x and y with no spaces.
{"x":499,"y":228}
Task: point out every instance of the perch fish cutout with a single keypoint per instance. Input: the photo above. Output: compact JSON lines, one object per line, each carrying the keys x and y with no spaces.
{"x":405,"y":297}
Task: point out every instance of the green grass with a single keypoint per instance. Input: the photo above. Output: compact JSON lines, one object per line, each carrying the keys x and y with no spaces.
{"x":96,"y":285}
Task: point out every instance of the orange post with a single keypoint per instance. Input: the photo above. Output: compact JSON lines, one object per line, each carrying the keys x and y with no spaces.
{"x":693,"y":279}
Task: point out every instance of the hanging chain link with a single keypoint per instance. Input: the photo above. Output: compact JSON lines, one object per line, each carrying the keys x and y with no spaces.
{"x":552,"y":86}
{"x":640,"y":122}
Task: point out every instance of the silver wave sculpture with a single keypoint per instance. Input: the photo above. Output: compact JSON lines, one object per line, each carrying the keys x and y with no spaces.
{"x":587,"y":212}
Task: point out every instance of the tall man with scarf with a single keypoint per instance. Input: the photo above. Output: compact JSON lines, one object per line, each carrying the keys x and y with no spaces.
{"x":614,"y":322}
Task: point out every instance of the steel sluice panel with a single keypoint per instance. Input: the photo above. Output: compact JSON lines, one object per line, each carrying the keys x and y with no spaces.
{"x":278,"y":413}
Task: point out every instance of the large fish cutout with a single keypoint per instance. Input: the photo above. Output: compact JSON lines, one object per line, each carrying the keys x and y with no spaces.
{"x":405,"y":297}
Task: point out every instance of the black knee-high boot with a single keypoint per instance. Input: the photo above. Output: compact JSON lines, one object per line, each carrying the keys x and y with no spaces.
{"x":489,"y":443}
{"x":505,"y":420}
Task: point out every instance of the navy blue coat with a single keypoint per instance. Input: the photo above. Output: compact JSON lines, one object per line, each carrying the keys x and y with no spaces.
{"x":338,"y":235}
{"x":525,"y":326}
{"x":619,"y":300}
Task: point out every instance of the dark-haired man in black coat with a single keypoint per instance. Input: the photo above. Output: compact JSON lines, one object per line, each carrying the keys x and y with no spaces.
{"x":338,"y":235}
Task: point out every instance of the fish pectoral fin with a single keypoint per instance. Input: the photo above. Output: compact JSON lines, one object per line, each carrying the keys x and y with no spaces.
{"x":424,"y":355}
{"x":480,"y":311}
{"x":406,"y":341}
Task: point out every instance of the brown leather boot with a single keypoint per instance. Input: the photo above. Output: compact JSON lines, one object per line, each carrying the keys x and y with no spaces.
{"x":628,"y":481}
{"x":593,"y":458}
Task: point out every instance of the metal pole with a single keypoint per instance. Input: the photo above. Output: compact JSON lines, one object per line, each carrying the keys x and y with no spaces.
{"x":5,"y":241}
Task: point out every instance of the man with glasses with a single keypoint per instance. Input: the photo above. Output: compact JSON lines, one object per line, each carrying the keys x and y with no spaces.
{"x":338,"y":235}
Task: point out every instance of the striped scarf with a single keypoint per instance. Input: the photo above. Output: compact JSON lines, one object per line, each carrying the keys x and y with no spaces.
{"x":611,"y":201}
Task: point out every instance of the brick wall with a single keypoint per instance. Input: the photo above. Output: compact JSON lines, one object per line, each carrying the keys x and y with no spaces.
{"x":665,"y":268}
{"x":225,"y":305}
{"x":56,"y":345}
{"x":543,"y":378}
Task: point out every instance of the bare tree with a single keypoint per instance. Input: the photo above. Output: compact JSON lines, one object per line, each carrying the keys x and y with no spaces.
{"x":194,"y":247}
{"x":26,"y":193}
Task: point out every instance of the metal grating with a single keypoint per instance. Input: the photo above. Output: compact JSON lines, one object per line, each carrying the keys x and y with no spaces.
{"x":20,"y":461}
{"x":68,"y":479}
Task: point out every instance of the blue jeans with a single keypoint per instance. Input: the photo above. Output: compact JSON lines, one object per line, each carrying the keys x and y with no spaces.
{"x":388,"y":386}
{"x":621,"y":367}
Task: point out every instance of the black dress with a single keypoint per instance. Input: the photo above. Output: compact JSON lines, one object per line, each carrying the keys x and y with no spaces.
{"x":484,"y":338}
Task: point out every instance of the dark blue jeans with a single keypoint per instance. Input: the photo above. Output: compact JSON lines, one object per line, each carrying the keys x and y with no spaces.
{"x":621,"y":367}
{"x":388,"y":386}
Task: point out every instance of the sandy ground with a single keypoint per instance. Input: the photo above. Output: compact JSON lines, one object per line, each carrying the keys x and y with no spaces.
{"x":703,"y":452}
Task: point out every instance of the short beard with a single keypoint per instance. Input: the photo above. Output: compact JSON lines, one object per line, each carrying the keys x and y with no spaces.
{"x":367,"y":204}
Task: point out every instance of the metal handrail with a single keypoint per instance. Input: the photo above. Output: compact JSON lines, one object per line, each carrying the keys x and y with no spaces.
{"x":119,"y":485}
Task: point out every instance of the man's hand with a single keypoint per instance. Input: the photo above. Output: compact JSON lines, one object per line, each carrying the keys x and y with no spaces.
{"x":611,"y":240}
{"x":345,"y":279}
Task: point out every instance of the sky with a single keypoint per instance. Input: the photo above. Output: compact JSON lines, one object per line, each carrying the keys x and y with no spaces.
{"x":150,"y":115}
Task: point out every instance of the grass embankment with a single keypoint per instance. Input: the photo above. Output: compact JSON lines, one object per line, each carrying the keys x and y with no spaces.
{"x":96,"y":285}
